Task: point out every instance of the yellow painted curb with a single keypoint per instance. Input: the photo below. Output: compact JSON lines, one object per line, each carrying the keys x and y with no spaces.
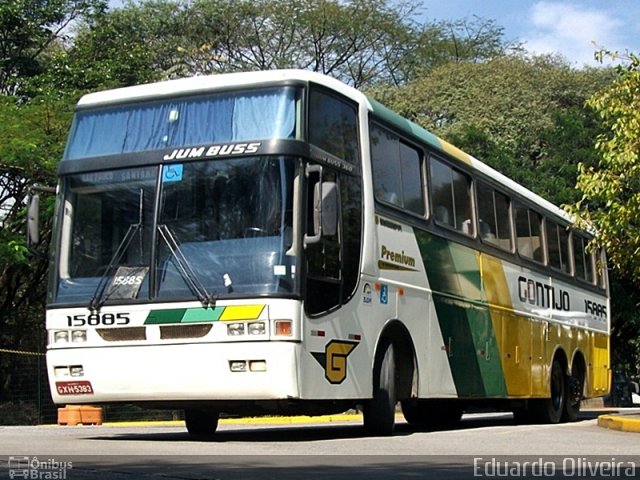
{"x":621,"y":423}
{"x":301,"y":419}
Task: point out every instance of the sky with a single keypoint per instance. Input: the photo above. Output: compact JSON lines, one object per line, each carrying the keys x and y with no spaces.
{"x":568,"y":27}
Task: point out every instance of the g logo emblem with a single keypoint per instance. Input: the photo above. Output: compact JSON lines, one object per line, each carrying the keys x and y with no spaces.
{"x":334,"y":360}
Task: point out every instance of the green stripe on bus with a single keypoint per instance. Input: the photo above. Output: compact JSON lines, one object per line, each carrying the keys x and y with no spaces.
{"x":465,"y":322}
{"x":156,"y":317}
{"x":184,"y":315}
{"x":194,"y":315}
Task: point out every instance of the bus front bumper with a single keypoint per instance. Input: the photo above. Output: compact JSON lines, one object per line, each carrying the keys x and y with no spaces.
{"x":174,"y":373}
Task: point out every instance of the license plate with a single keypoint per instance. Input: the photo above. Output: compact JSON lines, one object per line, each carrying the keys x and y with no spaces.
{"x":81,"y":387}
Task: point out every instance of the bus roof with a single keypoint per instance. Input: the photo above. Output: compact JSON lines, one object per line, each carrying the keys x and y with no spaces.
{"x":204,"y":83}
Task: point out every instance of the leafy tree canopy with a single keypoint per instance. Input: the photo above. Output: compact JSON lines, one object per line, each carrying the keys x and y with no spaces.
{"x":362,"y":42}
{"x":611,"y":189}
{"x":524,"y":116}
{"x":30,"y":29}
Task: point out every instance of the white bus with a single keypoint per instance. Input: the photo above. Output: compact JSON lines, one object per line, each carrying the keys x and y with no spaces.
{"x":279,"y":243}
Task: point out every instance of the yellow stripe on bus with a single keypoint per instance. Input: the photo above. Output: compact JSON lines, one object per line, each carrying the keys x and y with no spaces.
{"x":456,"y":152}
{"x":242,"y":312}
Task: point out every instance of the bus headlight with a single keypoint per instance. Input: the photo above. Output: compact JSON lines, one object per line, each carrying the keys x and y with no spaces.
{"x":235,"y":329}
{"x":257,"y":328}
{"x":78,"y":336}
{"x":66,"y":336}
{"x":61,"y":336}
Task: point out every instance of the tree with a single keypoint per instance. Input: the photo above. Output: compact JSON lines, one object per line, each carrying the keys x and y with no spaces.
{"x":357,"y":41}
{"x":140,"y":43}
{"x":523,"y":116}
{"x":463,"y":41}
{"x":32,"y":136}
{"x":31,"y":142}
{"x":610,"y":202}
{"x":611,"y":190}
{"x":362,"y":42}
{"x":29,"y":29}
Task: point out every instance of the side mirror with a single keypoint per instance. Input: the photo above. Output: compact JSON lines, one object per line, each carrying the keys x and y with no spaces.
{"x":33,"y":221}
{"x":325,"y":207}
{"x":33,"y":217}
{"x":325,"y":219}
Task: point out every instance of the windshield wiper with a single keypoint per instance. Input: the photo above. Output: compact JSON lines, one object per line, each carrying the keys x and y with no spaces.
{"x":99,"y":297}
{"x":185,"y":268}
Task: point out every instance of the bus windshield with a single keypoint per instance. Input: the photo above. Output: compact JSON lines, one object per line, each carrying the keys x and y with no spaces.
{"x":226,"y":117}
{"x":215,"y":228}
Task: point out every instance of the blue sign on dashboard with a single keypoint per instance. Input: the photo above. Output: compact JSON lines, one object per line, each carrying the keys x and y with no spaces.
{"x":172,"y":173}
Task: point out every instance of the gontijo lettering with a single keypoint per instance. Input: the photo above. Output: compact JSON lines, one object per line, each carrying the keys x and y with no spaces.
{"x":543,"y":295}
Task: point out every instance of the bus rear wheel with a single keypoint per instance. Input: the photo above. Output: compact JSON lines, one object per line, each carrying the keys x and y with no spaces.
{"x":550,"y":410}
{"x":575,"y":384}
{"x":379,"y":412}
{"x":200,"y":421}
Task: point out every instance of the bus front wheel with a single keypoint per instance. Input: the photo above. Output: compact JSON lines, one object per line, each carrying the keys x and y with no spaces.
{"x":379,"y":412}
{"x":200,"y":421}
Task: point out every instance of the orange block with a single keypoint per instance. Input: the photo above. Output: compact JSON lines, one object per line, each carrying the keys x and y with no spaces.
{"x":79,"y":415}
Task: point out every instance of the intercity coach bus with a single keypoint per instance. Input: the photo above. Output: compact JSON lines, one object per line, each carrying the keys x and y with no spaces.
{"x":279,"y":243}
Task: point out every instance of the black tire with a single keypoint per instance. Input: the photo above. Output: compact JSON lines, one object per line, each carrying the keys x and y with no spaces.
{"x":379,"y":412}
{"x":432,"y":414}
{"x":415,"y":413}
{"x":574,"y":387}
{"x":550,"y":410}
{"x":201,"y":422}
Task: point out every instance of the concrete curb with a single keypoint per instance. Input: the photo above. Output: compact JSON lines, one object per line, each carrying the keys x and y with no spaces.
{"x":620,"y":422}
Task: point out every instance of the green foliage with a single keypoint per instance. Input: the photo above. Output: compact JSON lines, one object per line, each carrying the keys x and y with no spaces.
{"x":523,"y":116}
{"x":133,"y":45}
{"x":610,"y":201}
{"x":463,"y":41}
{"x":362,"y":42}
{"x":13,"y":251}
{"x":29,"y":29}
{"x":32,"y":135}
{"x":611,"y":189}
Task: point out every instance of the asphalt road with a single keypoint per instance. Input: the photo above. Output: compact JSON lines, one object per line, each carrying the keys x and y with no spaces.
{"x":329,"y":450}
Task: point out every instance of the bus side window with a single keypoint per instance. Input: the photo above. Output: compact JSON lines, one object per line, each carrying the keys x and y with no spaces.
{"x":583,"y":259}
{"x":333,"y":125}
{"x":493,"y":217}
{"x":451,"y":196}
{"x":558,"y":246}
{"x":529,"y":233}
{"x":396,"y":171}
